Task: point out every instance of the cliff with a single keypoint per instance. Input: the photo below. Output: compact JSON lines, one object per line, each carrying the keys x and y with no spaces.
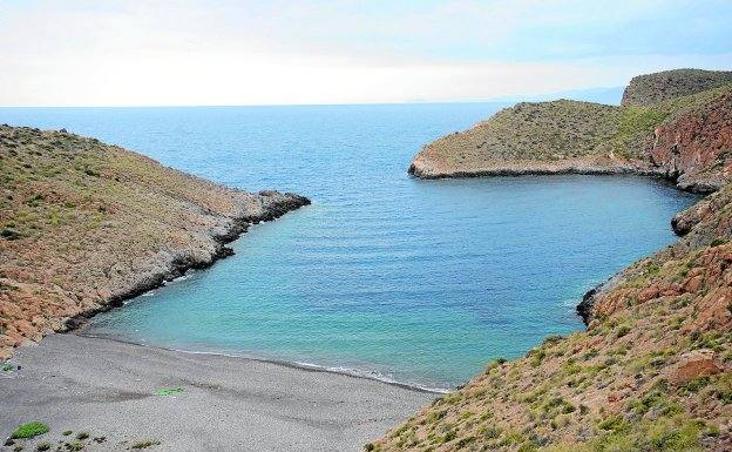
{"x":652,"y":370}
{"x":84,"y":225}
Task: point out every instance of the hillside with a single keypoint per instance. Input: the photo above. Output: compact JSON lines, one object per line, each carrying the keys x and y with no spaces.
{"x":652,"y":370}
{"x":568,"y":137}
{"x":649,"y":89}
{"x":84,"y":225}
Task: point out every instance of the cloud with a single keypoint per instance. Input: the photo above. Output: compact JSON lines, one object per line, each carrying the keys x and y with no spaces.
{"x":225,"y":52}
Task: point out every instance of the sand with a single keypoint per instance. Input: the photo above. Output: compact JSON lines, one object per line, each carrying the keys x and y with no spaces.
{"x":108,"y":388}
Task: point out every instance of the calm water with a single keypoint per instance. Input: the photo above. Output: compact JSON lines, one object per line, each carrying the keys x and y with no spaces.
{"x":420,"y":282}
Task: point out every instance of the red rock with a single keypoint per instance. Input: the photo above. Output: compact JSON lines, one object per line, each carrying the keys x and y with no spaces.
{"x":648,"y":293}
{"x":693,"y":284}
{"x":696,"y":364}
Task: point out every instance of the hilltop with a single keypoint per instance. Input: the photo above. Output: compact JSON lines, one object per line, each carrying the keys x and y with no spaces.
{"x":652,"y":369}
{"x":650,"y":89}
{"x":84,"y":225}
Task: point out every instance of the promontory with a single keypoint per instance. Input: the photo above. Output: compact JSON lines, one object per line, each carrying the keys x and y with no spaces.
{"x":85,"y":225}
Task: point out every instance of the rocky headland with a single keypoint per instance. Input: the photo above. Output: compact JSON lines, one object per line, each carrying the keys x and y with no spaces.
{"x":652,"y":369}
{"x":641,"y":136}
{"x":85,"y":225}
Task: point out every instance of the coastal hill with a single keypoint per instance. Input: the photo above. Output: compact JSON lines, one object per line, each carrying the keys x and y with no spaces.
{"x":649,"y":89}
{"x":652,"y":371}
{"x":85,"y":225}
{"x":565,"y":137}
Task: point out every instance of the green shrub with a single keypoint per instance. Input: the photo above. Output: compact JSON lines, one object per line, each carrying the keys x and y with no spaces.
{"x":614,"y":424}
{"x":165,"y":392}
{"x":144,"y":444}
{"x":622,"y":330}
{"x":29,"y":430}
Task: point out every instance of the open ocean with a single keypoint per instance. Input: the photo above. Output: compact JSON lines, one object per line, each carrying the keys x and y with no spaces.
{"x":421,"y":282}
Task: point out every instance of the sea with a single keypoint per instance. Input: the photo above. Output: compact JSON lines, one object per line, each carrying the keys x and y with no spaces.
{"x":384,"y":276}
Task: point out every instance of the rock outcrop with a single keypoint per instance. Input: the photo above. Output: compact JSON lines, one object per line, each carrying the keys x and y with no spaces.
{"x":693,"y":147}
{"x":653,"y":370}
{"x":84,"y":225}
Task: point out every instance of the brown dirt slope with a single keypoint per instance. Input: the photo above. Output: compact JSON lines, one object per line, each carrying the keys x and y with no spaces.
{"x":84,"y":225}
{"x":649,"y":89}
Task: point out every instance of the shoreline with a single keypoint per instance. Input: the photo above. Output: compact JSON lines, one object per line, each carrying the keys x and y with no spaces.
{"x":576,"y":167}
{"x":117,"y":390}
{"x":584,"y":307}
{"x":236,"y":229}
{"x":307,"y":367}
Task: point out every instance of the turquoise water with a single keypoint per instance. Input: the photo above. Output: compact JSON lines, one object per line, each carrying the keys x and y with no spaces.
{"x":420,"y":282}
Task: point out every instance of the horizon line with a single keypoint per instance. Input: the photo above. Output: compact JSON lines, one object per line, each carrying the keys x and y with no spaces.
{"x":506,"y":99}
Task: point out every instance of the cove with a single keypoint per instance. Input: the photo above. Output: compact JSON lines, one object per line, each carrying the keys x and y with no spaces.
{"x":421,"y":282}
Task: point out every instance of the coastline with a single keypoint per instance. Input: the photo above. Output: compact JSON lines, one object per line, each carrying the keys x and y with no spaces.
{"x":178,"y":267}
{"x":651,"y":370}
{"x":562,"y":168}
{"x":111,"y":388}
{"x":298,"y":365}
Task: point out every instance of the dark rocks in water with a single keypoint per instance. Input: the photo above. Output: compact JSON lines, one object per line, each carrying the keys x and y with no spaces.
{"x":584,"y":308}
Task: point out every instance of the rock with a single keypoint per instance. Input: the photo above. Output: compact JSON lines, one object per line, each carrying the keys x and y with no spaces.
{"x":648,"y":293}
{"x":694,"y":284}
{"x":693,"y":365}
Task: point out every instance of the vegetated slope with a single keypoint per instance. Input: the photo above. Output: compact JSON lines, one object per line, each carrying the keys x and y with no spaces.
{"x":578,"y":137}
{"x":652,"y":371}
{"x":84,"y":225}
{"x":650,"y":89}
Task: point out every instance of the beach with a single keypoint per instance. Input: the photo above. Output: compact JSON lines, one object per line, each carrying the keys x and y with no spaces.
{"x":131,"y":394}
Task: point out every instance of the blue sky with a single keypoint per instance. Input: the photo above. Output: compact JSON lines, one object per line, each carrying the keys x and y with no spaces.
{"x":225,"y":52}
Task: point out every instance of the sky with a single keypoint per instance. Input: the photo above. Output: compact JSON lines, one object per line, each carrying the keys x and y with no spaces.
{"x":226,"y":52}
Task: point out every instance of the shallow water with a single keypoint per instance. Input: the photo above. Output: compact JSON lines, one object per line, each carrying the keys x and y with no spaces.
{"x":416,"y":281}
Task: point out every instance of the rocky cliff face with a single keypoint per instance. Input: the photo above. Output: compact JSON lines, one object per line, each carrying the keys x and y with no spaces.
{"x":694,"y":147}
{"x":84,"y":225}
{"x":650,"y":89}
{"x":653,"y":369}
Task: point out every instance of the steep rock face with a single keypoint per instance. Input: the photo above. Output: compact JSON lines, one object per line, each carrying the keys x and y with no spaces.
{"x":649,"y":89}
{"x":695,"y":148}
{"x":84,"y":225}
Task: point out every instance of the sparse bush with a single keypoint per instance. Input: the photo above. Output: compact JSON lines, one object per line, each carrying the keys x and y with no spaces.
{"x":29,"y":430}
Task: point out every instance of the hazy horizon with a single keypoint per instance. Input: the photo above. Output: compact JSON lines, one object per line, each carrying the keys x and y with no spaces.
{"x":81,"y":53}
